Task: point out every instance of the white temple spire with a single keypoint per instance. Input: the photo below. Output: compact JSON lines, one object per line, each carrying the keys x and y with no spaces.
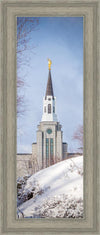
{"x":49,"y":101}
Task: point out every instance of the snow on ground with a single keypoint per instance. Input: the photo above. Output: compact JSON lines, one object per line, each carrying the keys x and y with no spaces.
{"x":57,"y":191}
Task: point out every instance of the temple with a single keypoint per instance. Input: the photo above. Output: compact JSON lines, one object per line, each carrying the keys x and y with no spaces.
{"x":49,"y":147}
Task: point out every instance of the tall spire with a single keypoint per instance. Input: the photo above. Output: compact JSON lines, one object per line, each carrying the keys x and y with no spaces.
{"x":49,"y":101}
{"x":49,"y":89}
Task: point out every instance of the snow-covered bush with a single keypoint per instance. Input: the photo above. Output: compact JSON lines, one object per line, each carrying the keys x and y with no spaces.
{"x":25,"y":194}
{"x":61,"y":207}
{"x":21,"y":182}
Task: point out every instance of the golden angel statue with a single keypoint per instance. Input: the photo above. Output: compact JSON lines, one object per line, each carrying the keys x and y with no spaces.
{"x":49,"y":64}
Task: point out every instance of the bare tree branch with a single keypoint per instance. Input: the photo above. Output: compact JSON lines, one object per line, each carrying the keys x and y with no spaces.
{"x":78,"y":136}
{"x":25,"y":25}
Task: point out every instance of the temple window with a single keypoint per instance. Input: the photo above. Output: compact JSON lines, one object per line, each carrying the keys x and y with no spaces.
{"x":44,"y":109}
{"x":49,"y":108}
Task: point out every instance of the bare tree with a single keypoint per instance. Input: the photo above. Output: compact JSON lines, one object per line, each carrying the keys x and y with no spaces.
{"x":55,"y":159}
{"x":78,"y":136}
{"x":25,"y":25}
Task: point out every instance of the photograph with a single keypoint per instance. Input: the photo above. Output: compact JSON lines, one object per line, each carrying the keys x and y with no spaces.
{"x":49,"y":77}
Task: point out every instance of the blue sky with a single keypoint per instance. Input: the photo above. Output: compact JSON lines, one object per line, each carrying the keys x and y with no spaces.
{"x":61,"y":40}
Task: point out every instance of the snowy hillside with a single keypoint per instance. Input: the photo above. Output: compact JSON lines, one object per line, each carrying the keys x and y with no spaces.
{"x":56,"y":191}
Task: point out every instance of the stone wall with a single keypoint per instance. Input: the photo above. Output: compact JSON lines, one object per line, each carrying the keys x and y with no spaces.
{"x":64,"y":148}
{"x":26,"y":164}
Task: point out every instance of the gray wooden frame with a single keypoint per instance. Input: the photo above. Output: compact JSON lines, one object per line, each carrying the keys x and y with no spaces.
{"x":90,"y":10}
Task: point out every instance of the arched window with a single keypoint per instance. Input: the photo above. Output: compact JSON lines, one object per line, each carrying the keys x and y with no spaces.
{"x":44,"y":109}
{"x":49,"y":108}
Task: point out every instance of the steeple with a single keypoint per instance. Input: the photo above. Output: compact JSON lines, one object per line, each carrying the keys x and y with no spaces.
{"x":49,"y":101}
{"x":49,"y":89}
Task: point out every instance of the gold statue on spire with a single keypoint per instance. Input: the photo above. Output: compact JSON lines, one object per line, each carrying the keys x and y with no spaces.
{"x":49,"y":64}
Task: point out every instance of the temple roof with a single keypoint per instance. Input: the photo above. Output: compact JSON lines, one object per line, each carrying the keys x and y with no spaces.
{"x":49,"y":90}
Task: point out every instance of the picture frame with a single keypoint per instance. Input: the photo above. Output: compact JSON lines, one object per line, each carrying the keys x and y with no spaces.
{"x":9,"y":11}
